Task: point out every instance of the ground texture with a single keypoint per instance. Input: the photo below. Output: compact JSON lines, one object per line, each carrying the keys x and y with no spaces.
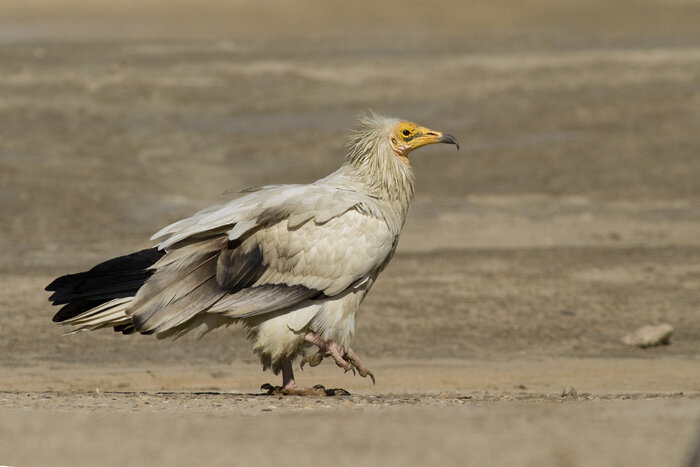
{"x":570,"y":217}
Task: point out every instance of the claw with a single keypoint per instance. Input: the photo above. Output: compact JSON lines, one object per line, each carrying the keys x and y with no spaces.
{"x":344,"y":365}
{"x":340,"y":361}
{"x":351,"y":357}
{"x":364,"y":372}
{"x":316,"y":391}
{"x":312,"y":360}
{"x":337,"y":392}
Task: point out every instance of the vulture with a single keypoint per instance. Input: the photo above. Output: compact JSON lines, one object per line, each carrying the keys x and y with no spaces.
{"x":291,"y":263}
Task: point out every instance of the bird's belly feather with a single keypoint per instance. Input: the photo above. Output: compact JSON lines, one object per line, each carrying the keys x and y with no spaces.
{"x":282,"y":335}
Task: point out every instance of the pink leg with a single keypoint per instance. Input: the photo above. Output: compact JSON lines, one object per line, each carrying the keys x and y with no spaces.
{"x":288,"y":375}
{"x":289,"y":385}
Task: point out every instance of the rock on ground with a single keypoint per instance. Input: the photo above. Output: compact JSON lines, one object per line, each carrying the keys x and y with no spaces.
{"x":649,"y":336}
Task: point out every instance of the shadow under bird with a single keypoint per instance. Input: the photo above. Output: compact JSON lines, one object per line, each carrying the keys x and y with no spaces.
{"x":291,"y":263}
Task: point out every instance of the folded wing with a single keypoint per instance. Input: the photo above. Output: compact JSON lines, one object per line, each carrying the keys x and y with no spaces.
{"x":262,"y":253}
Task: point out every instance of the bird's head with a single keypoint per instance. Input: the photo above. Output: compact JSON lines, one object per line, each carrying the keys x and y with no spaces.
{"x":406,"y":136}
{"x":377,"y":138}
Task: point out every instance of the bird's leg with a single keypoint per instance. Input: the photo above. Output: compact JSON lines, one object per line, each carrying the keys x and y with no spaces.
{"x":288,"y":375}
{"x":289,"y":385}
{"x":354,"y":360}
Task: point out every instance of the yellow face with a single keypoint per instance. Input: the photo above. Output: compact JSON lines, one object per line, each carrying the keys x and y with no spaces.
{"x":407,"y":136}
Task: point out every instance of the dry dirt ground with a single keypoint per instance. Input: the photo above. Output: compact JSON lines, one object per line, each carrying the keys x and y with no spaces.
{"x":570,"y":217}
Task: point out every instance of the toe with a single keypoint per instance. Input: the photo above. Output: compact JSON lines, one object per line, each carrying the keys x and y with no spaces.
{"x":312,"y":360}
{"x":351,"y":357}
{"x":364,"y":372}
{"x":343,"y":364}
{"x":337,"y":392}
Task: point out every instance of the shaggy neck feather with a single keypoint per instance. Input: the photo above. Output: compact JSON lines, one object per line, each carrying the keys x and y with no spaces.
{"x":371,"y":160}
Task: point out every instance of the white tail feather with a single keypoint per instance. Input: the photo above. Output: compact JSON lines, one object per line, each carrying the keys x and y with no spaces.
{"x":111,"y":313}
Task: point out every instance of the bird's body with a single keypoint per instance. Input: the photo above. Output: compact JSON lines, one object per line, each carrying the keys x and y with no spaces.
{"x":291,"y":262}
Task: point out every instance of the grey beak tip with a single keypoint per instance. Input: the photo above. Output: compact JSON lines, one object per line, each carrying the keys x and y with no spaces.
{"x":448,"y":138}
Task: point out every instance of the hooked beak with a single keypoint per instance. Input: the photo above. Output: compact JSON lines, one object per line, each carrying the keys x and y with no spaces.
{"x":427,"y":136}
{"x":448,"y":138}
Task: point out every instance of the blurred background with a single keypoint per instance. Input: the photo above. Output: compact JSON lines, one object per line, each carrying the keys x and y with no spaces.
{"x":569,"y":217}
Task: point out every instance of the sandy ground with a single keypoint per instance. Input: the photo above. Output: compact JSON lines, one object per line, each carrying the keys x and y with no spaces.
{"x":569,"y":218}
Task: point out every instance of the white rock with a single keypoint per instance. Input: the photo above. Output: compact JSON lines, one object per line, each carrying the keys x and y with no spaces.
{"x":649,"y":336}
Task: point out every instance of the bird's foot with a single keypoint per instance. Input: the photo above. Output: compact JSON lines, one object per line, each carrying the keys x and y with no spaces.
{"x":326,"y":349}
{"x":333,"y":350}
{"x":318,"y":390}
{"x":347,"y":360}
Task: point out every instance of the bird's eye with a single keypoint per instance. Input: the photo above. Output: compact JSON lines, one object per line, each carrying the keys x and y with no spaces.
{"x":406,"y":133}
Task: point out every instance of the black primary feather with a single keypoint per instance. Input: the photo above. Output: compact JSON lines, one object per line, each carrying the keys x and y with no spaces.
{"x":116,"y":278}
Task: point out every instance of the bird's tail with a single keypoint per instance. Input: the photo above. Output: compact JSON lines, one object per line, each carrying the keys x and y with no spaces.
{"x":99,"y":297}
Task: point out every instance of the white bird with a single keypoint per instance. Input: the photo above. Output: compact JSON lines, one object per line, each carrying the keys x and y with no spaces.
{"x":292,"y":263}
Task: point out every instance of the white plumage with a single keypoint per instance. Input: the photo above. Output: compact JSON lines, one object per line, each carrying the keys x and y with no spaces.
{"x":291,"y":262}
